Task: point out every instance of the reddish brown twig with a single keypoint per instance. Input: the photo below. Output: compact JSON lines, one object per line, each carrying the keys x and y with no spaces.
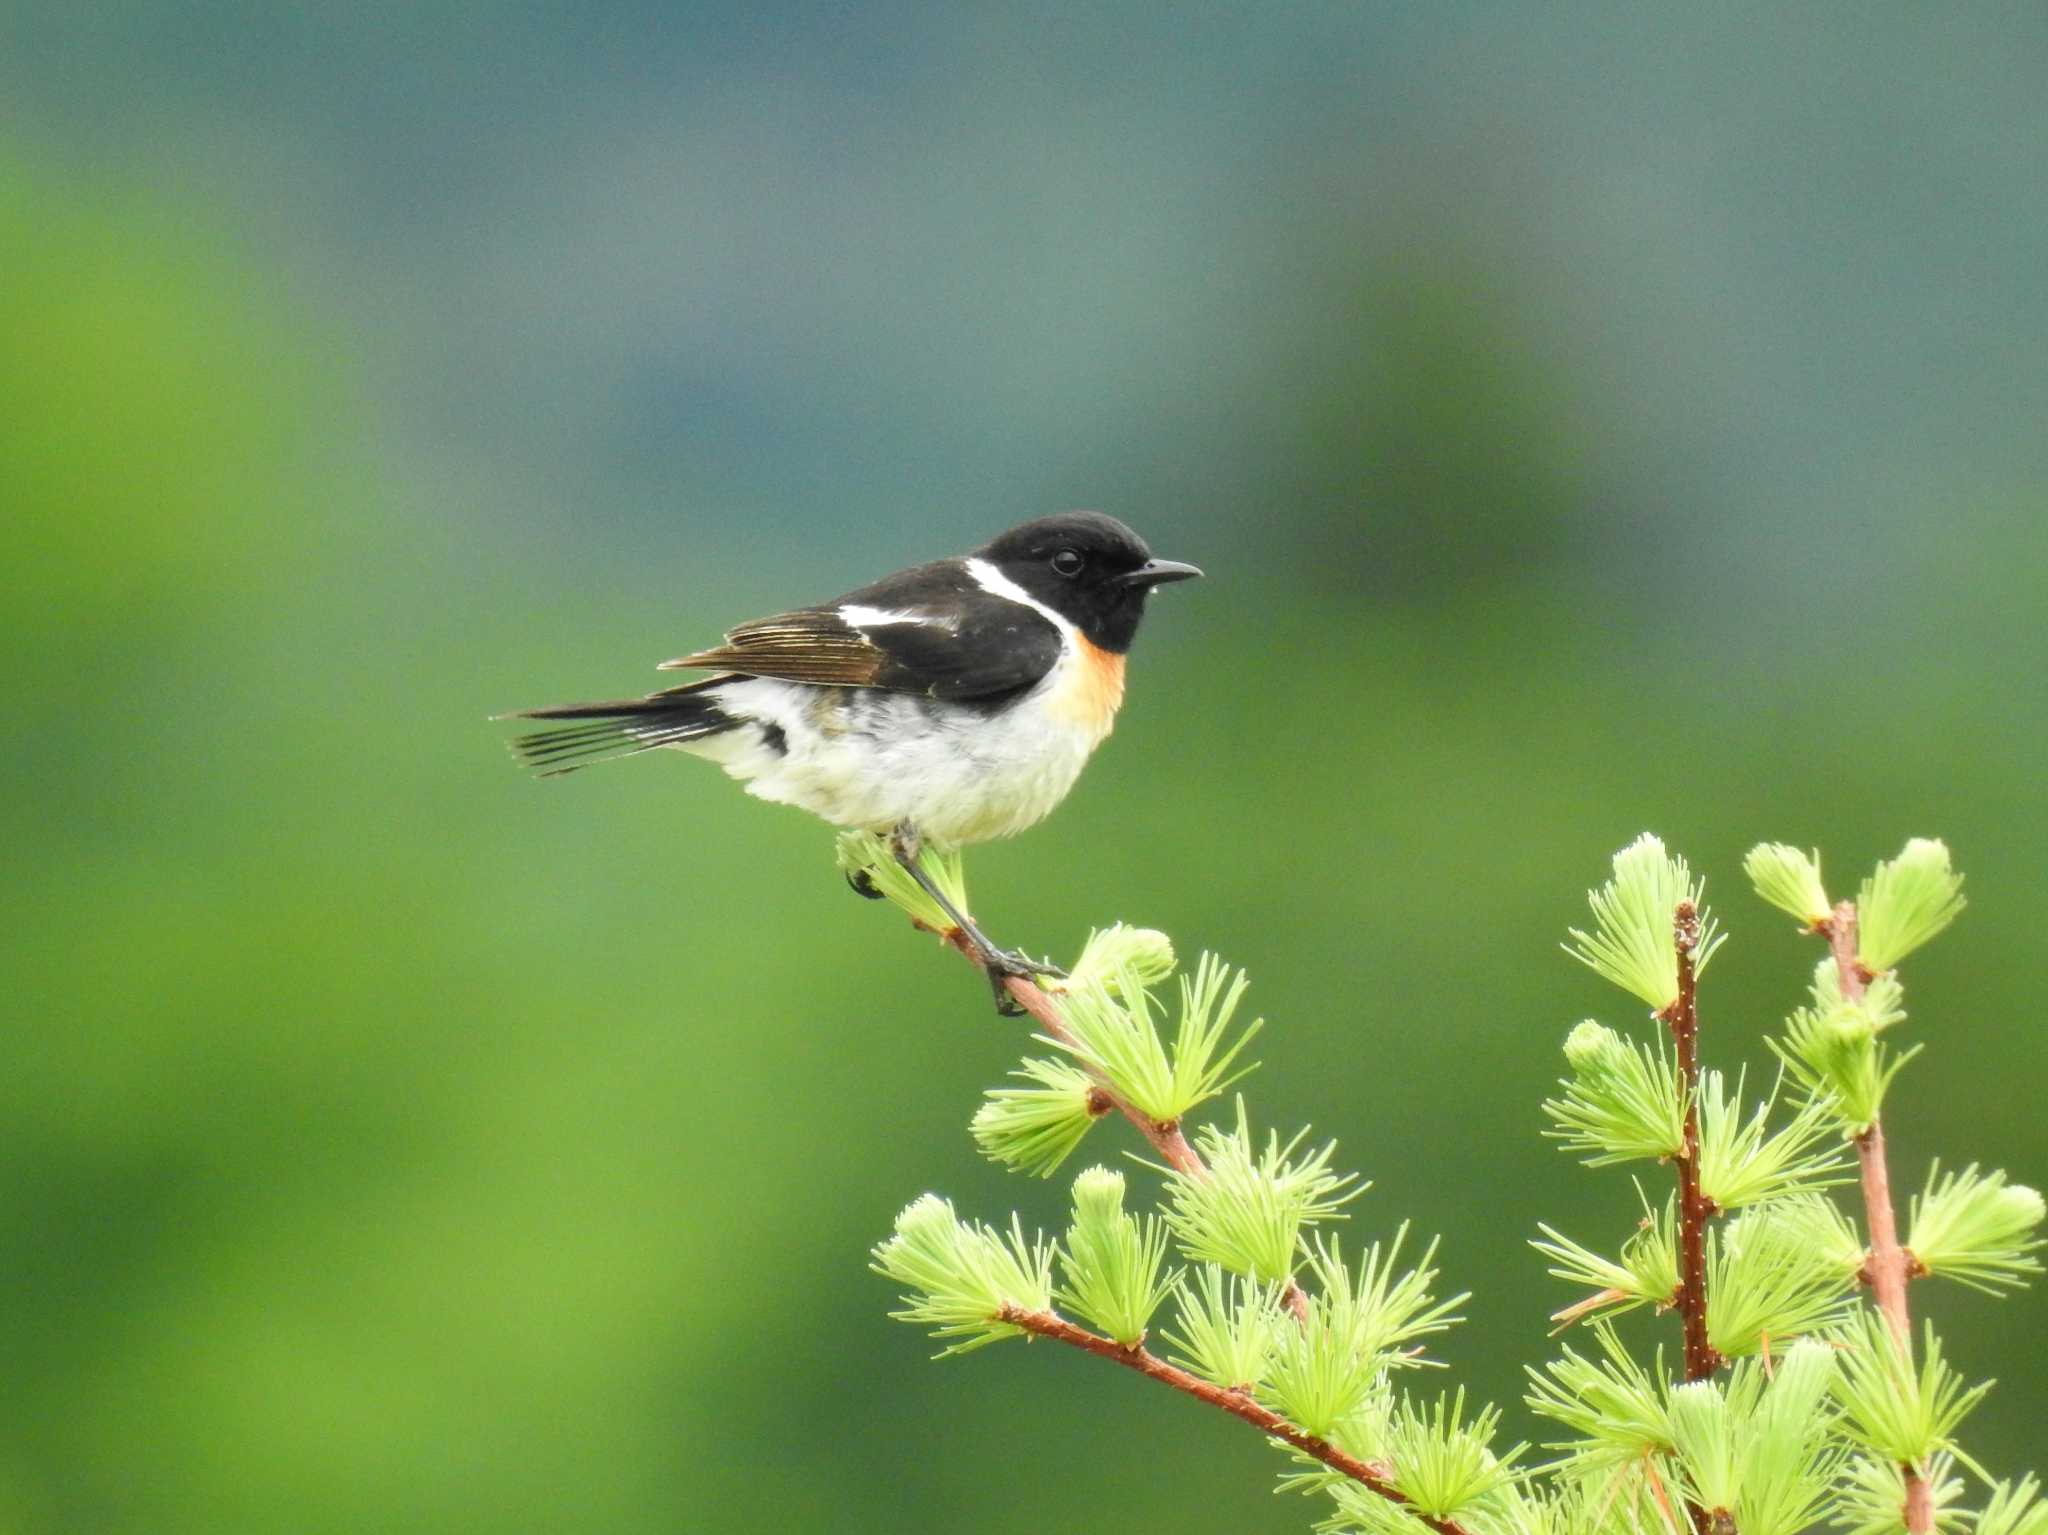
{"x":1165,"y":1135}
{"x":1694,"y":1208}
{"x":1889,"y":1265}
{"x":1374,"y":1478}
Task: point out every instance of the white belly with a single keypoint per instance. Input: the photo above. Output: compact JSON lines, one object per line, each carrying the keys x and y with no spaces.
{"x":870,"y":760}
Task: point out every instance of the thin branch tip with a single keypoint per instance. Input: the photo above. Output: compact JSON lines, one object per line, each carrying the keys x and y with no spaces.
{"x":1377,"y":1479}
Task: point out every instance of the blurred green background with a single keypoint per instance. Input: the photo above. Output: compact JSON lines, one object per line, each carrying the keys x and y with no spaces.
{"x":1592,"y":418}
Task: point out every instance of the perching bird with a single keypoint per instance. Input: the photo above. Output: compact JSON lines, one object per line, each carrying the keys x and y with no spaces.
{"x":950,"y":703}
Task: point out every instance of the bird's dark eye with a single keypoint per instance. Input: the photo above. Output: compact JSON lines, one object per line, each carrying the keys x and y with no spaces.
{"x":1068,"y":562}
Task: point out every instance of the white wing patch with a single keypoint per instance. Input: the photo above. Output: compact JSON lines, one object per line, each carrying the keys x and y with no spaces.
{"x":861,"y":616}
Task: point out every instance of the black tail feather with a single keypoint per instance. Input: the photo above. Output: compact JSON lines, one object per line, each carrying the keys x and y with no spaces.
{"x":620,"y":728}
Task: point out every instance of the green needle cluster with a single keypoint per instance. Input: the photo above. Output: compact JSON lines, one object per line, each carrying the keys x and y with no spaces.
{"x":1035,"y":1128}
{"x":1359,"y":1322}
{"x":1623,"y":1101}
{"x":1976,"y":1228}
{"x":1248,"y":1211}
{"x":1444,"y":1463}
{"x":1645,"y":1272}
{"x":1760,"y":1449}
{"x":1113,"y":1263}
{"x":961,"y":1276}
{"x":1893,"y":1407}
{"x":1789,"y":880}
{"x":1633,"y":914}
{"x":1227,"y":1326}
{"x":1614,"y":1407}
{"x":1834,"y":1050}
{"x":1909,"y":900}
{"x":1744,"y":1162}
{"x":1783,"y":1270}
{"x":1113,"y":1018}
{"x":2014,"y":1508}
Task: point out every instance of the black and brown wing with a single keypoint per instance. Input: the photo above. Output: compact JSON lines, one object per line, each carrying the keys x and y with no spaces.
{"x":804,"y":646}
{"x":931,"y":630}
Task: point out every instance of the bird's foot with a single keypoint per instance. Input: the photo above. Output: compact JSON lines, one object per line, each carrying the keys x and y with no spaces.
{"x":1002,"y":965}
{"x":862,"y":883}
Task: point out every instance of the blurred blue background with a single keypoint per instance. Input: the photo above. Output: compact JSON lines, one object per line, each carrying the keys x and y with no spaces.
{"x":1592,"y":418}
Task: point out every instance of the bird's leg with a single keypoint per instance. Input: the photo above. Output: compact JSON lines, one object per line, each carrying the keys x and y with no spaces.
{"x":998,"y":964}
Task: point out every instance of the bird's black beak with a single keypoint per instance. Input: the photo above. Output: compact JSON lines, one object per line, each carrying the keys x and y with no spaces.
{"x":1158,"y":573}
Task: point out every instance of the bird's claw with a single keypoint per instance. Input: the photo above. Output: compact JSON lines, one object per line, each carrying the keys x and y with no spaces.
{"x":1001,"y":965}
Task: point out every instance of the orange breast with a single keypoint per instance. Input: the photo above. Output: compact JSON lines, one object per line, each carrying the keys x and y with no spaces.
{"x":1093,"y":689}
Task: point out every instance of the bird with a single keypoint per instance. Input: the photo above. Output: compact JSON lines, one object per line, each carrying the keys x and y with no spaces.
{"x":952,"y":703}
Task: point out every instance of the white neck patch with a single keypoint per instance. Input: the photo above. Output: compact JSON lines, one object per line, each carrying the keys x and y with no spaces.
{"x":996,"y":584}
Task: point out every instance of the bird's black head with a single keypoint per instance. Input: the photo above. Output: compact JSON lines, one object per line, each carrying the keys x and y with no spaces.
{"x":1089,"y":568}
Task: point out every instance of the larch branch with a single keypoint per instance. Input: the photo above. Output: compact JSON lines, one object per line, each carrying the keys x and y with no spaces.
{"x":1375,"y":1478}
{"x":1890,"y":1265}
{"x":1694,"y":1208}
{"x":1166,"y":1136}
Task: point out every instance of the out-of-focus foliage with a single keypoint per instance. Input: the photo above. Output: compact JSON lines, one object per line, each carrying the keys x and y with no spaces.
{"x":392,"y":1142}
